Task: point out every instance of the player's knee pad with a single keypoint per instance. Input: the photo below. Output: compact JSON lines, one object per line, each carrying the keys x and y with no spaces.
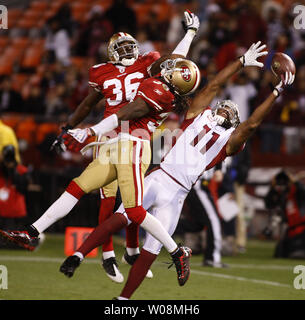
{"x":136,"y":214}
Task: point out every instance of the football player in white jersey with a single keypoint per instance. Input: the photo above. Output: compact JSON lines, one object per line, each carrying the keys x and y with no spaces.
{"x":207,"y":138}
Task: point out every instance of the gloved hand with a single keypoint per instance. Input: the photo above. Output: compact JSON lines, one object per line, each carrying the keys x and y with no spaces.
{"x":190,"y":22}
{"x":286,"y":80}
{"x":76,"y":139}
{"x":253,"y":53}
{"x":58,"y":145}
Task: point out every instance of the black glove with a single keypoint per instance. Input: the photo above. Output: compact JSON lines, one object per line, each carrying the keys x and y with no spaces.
{"x":58,"y":144}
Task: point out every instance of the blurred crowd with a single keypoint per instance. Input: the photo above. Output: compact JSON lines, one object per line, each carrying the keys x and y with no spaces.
{"x":228,"y":28}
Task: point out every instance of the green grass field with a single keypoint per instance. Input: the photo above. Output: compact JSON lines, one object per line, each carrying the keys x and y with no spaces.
{"x":254,"y":275}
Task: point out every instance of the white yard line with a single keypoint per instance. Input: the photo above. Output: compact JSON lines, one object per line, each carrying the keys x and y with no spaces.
{"x":230,"y":277}
{"x":254,"y":266}
{"x":198,"y":272}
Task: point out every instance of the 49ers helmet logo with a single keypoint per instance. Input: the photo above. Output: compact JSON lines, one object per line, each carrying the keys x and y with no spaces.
{"x":186,"y":73}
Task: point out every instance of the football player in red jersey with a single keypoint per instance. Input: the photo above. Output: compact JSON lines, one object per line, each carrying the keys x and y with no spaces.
{"x":117,"y":82}
{"x":125,"y":157}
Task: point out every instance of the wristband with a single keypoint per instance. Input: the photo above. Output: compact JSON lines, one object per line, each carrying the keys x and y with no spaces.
{"x":106,"y":125}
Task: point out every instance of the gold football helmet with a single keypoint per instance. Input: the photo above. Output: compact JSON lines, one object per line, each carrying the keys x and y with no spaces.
{"x":182,"y":74}
{"x":123,"y":48}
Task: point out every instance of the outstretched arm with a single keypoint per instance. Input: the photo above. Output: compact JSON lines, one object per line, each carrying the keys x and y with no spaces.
{"x":245,"y":130}
{"x":84,"y":108}
{"x":210,"y":91}
{"x":191,"y":25}
{"x":76,"y":138}
{"x":81,"y":112}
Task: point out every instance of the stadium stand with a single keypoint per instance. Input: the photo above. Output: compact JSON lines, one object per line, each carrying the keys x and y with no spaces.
{"x":225,"y":31}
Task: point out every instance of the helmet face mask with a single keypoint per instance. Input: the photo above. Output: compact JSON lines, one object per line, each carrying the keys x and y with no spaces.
{"x":123,"y":49}
{"x":227,"y":114}
{"x":182,"y":74}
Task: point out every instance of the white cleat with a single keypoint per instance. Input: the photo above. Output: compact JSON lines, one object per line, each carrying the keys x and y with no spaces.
{"x":112,"y":271}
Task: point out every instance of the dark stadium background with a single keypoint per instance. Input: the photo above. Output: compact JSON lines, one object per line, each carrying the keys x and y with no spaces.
{"x":46,"y":91}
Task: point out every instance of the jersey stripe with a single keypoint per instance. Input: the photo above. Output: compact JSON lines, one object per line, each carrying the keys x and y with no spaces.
{"x":158,"y":107}
{"x":210,"y":143}
{"x":201,"y":134}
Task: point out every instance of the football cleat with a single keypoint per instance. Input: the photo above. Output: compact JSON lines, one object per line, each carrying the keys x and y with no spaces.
{"x":182,"y":262}
{"x":111,"y":267}
{"x":69,"y":265}
{"x":127,"y":259}
{"x":20,"y":238}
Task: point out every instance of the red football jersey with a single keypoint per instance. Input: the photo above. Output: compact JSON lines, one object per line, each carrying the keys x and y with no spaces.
{"x":119,"y":84}
{"x":158,"y":96}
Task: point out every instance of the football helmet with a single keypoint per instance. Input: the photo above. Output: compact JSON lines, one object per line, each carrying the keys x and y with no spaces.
{"x":182,"y":74}
{"x":123,"y":48}
{"x":232,"y":120}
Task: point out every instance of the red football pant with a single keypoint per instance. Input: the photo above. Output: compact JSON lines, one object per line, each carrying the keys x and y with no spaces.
{"x":102,"y":232}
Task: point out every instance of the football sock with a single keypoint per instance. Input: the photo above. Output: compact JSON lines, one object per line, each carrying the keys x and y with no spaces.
{"x":59,"y":209}
{"x":108,"y":254}
{"x":78,"y":254}
{"x":132,"y":251}
{"x":102,"y":233}
{"x":155,"y":228}
{"x":138,"y":272}
{"x":177,"y":253}
{"x":132,"y":237}
{"x":106,"y":210}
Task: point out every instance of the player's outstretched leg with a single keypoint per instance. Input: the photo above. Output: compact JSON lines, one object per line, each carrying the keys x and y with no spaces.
{"x":96,"y":238}
{"x":180,"y":255}
{"x":28,"y":238}
{"x":137,"y":273}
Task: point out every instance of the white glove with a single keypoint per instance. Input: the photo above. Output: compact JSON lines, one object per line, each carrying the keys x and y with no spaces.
{"x":80,"y":135}
{"x":191,"y":21}
{"x":254,"y":52}
{"x":287,"y":80}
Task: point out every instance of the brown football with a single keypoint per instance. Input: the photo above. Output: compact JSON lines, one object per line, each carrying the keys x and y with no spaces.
{"x":281,"y":63}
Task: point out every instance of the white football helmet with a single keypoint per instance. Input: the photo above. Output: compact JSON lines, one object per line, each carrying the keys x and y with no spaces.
{"x":182,"y":74}
{"x":231,"y":107}
{"x":123,"y":49}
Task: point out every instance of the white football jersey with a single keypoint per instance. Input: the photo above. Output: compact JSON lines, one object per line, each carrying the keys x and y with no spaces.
{"x":200,"y":147}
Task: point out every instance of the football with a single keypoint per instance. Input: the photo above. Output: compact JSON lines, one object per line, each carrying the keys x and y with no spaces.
{"x":281,"y":63}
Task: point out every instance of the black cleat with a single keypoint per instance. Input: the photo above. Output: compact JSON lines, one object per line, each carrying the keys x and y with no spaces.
{"x":111,"y":267}
{"x":20,"y":238}
{"x":182,"y":262}
{"x":129,"y":259}
{"x":132,"y":259}
{"x":69,"y":265}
